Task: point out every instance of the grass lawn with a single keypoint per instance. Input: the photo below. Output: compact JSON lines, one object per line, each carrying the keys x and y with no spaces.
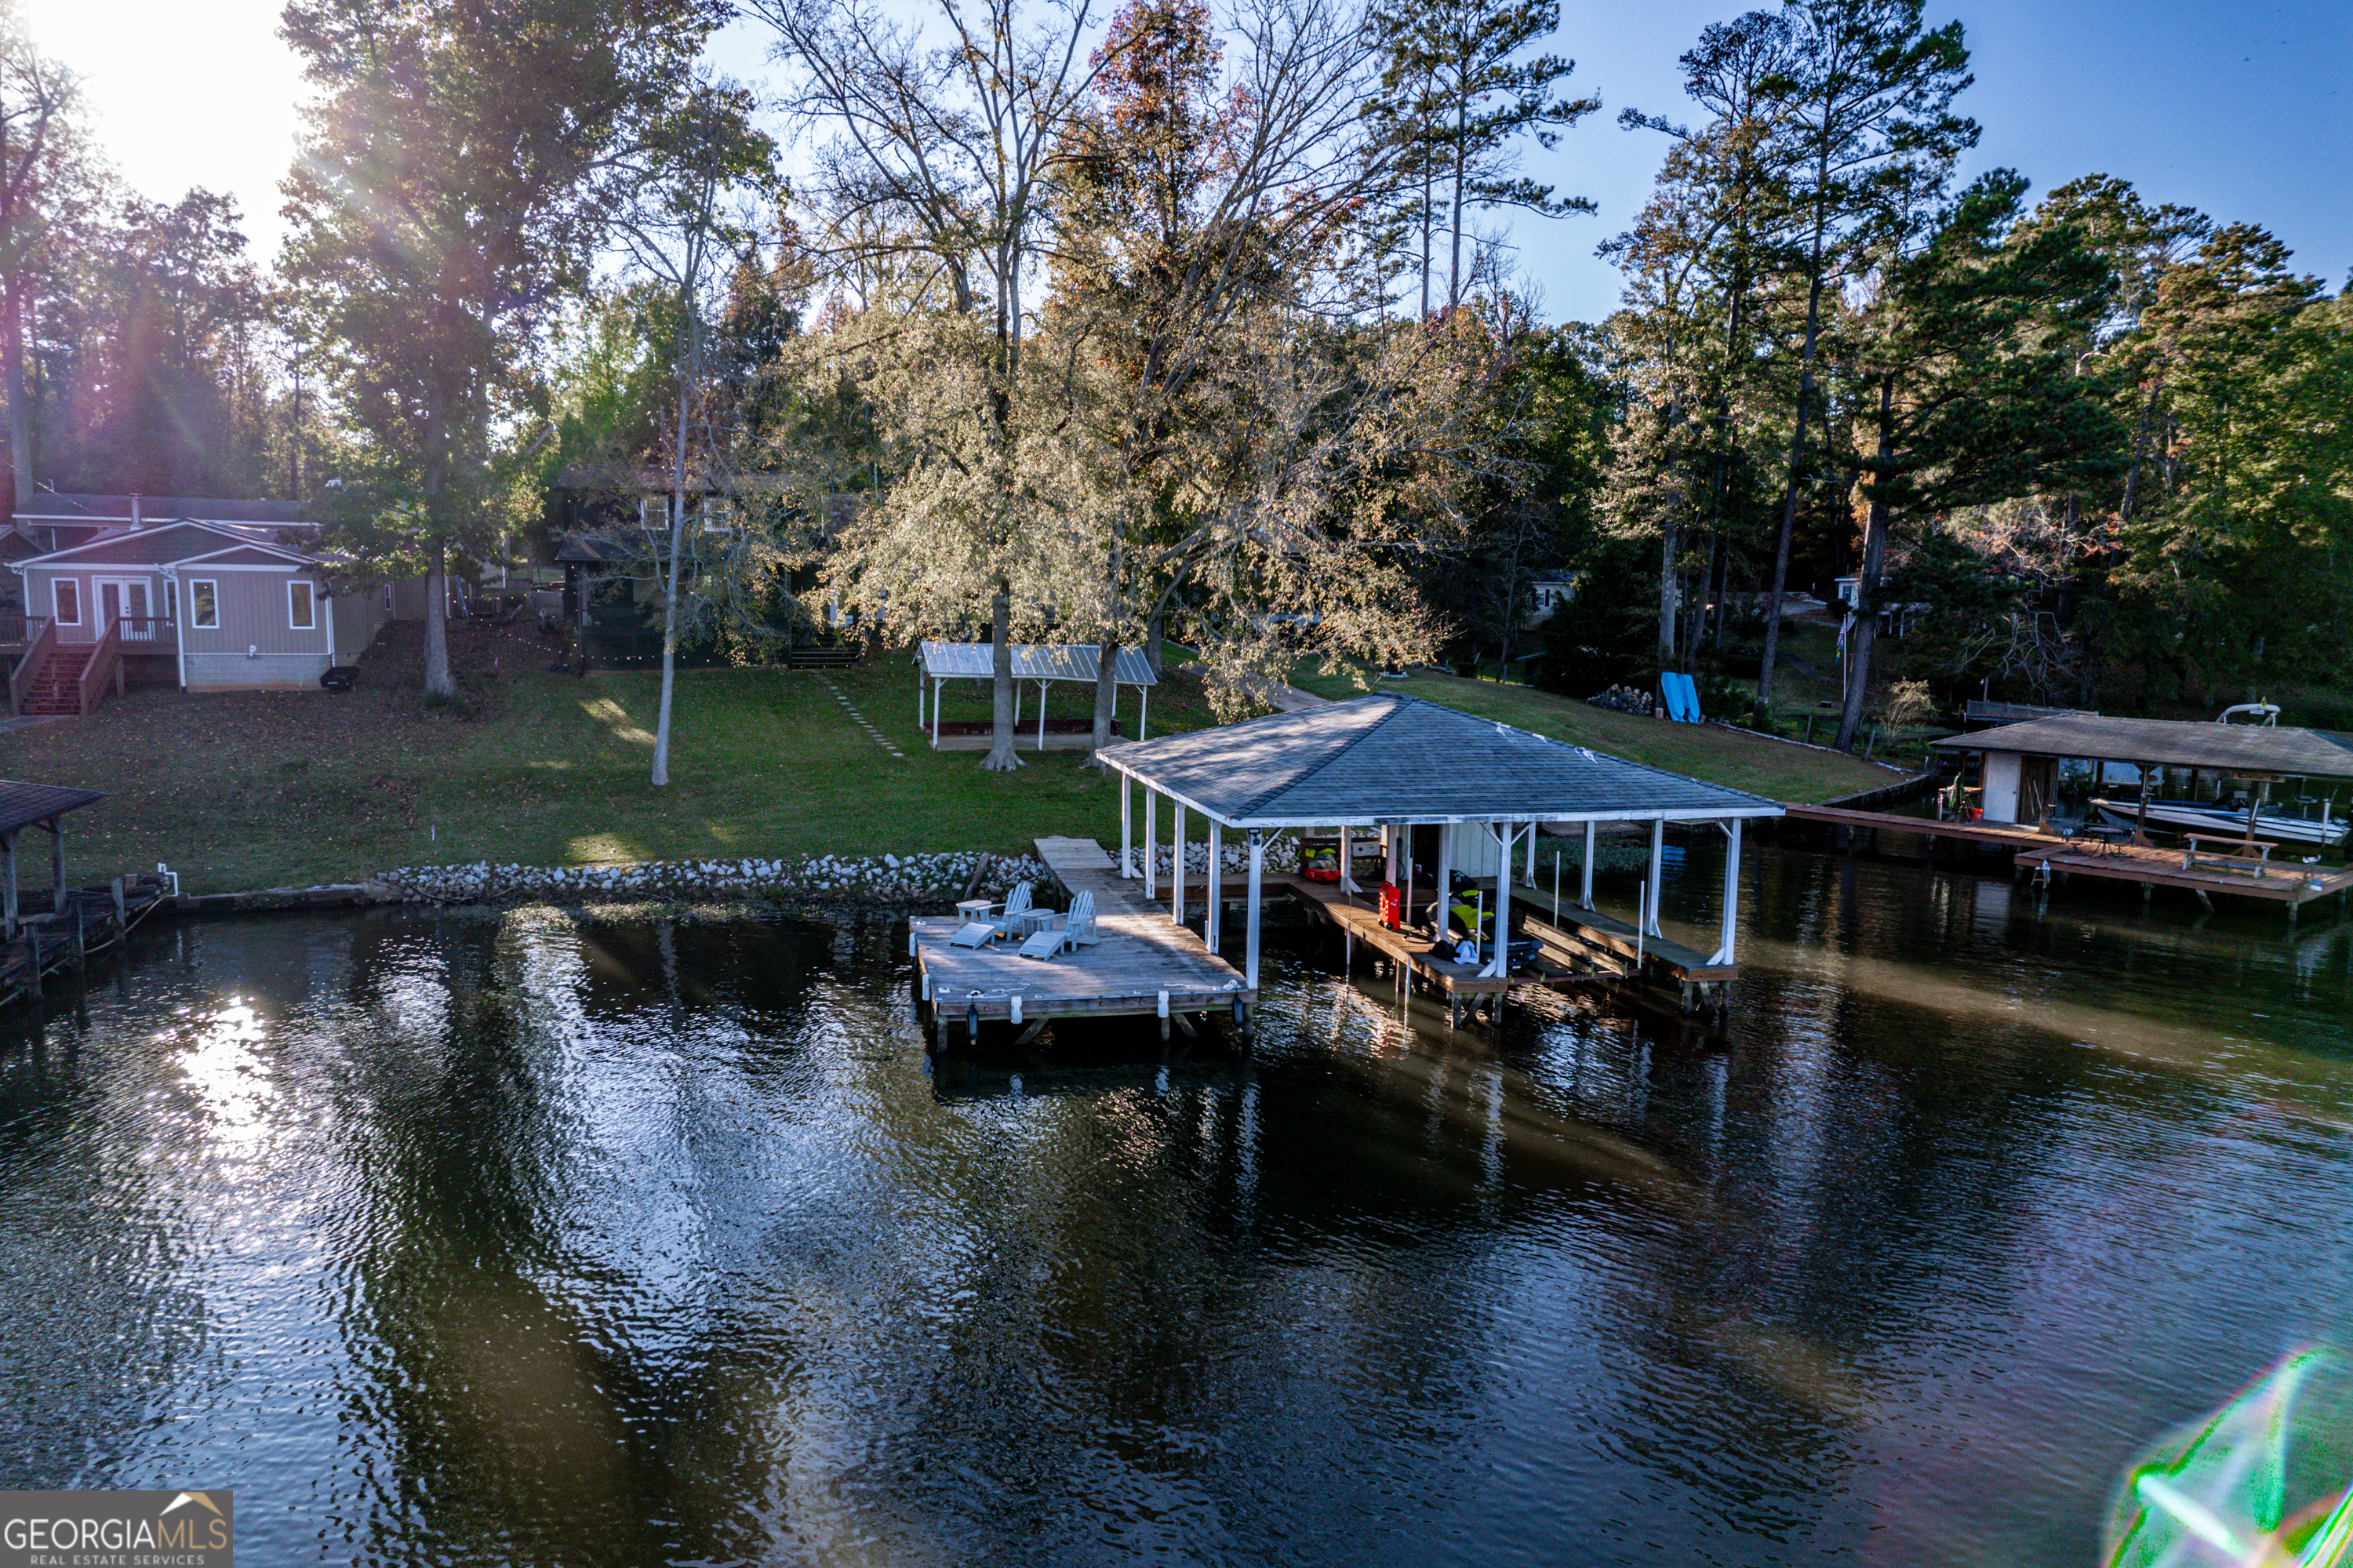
{"x":269,"y":788}
{"x":256,"y":789}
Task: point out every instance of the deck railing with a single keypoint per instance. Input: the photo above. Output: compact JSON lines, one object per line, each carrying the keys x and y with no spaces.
{"x":21,"y":678}
{"x":18,"y":629}
{"x":148,"y":634}
{"x":104,"y":664}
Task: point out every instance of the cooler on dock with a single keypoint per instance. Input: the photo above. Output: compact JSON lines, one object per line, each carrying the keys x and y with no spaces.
{"x":1392,"y":906}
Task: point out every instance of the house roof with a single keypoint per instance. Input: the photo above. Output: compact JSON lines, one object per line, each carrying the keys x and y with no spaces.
{"x":2245,"y":749}
{"x":163,"y":545}
{"x":50,"y":506}
{"x":1034,"y":662}
{"x":22,"y":805}
{"x":1389,"y":757}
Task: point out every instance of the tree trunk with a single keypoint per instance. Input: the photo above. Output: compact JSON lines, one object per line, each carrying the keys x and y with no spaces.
{"x":1454,"y":226}
{"x":439,"y":681}
{"x":669,"y":634}
{"x":1154,"y":630}
{"x":1106,"y":697}
{"x":20,"y":421}
{"x":1763,"y":712}
{"x":1670,"y":591}
{"x":1866,"y":588}
{"x":1000,"y":758}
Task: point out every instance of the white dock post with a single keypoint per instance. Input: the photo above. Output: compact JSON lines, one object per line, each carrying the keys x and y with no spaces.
{"x":935,"y":714}
{"x":1585,"y":873}
{"x":1176,"y":861}
{"x":1151,"y":836}
{"x":1126,"y":837}
{"x":1445,"y":882}
{"x":1257,"y":867}
{"x":1658,"y":857}
{"x":1500,"y":965}
{"x":1348,"y":884}
{"x":1217,"y":872}
{"x":1724,"y":947}
{"x":1532,"y":855}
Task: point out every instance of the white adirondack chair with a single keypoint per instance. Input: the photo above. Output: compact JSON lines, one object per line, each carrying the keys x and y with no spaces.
{"x":1079,"y":924}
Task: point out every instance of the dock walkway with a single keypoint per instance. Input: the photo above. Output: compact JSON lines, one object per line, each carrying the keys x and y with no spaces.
{"x":1144,"y":965}
{"x":2009,"y":833}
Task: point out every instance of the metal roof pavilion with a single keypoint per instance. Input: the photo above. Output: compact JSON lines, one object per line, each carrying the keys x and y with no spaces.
{"x":1393,"y":761}
{"x":1041,"y":662}
{"x":2243,"y":748}
{"x":1033,"y":662}
{"x":1392,"y":758}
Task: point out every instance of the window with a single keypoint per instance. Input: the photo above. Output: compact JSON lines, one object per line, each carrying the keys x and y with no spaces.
{"x":204,"y":603}
{"x":301,"y":605}
{"x":171,"y":599}
{"x":67,"y":593}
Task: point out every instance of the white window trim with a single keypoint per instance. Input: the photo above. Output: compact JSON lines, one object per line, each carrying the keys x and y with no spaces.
{"x":193,"y":584}
{"x":58,"y":615}
{"x":292,"y":624}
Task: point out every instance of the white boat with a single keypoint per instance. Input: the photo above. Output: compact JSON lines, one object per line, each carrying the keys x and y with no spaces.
{"x":2200,"y":817}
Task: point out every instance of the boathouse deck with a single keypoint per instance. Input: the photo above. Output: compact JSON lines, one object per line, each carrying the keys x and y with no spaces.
{"x":1145,"y":965}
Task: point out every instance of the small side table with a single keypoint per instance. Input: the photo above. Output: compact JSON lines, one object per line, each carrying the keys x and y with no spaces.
{"x":971,"y":909}
{"x":1028,"y":923}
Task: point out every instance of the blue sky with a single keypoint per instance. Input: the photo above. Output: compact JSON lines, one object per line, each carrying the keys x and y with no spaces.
{"x":2245,"y":110}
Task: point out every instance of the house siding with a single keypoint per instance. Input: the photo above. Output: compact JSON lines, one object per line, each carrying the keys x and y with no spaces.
{"x":253,"y":646}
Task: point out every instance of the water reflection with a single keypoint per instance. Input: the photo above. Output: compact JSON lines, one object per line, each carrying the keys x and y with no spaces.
{"x":533,"y":1239}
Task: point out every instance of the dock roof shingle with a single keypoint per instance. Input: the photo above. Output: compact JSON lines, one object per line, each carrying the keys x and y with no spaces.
{"x":1388,"y":758}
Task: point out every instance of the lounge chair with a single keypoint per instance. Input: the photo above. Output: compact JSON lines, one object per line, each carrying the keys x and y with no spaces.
{"x":1045,"y":944}
{"x":1079,"y":924}
{"x":977,"y":934}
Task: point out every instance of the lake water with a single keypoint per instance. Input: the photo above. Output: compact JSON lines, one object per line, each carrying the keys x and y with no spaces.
{"x":523,"y":1238}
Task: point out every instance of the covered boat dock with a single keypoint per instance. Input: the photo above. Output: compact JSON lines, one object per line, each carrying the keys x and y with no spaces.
{"x":1387,"y":765}
{"x":1043,"y":665}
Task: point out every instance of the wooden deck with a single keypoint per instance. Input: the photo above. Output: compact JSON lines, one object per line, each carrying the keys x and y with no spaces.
{"x":1591,"y":935}
{"x":2290,"y":882}
{"x":1146,"y":964}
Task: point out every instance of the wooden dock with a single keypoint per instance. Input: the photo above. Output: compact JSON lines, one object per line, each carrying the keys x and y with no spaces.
{"x":1145,"y":965}
{"x":1574,"y":948}
{"x":2285,"y":882}
{"x":84,"y":923}
{"x":2010,"y":834}
{"x":2292,"y":882}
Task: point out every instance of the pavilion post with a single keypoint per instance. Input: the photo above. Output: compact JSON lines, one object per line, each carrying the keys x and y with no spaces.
{"x":1347,"y":862}
{"x":1176,"y":861}
{"x":1126,"y":837}
{"x":935,"y":714}
{"x":1445,"y":880}
{"x":1730,"y":928}
{"x":1142,"y":710}
{"x":919,"y":695}
{"x":1151,"y":840}
{"x":1041,"y":716}
{"x":1216,"y":872}
{"x":1584,"y":873}
{"x":56,"y":826}
{"x":1500,"y":965}
{"x":1257,"y":868}
{"x":9,"y":891}
{"x":1532,"y":855}
{"x":1658,"y":860}
{"x":2140,"y":822}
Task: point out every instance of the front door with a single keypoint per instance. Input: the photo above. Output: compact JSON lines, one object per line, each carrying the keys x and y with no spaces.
{"x":122,"y":603}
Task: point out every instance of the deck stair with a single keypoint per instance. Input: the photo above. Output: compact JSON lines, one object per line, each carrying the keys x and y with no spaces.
{"x":55,"y":687}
